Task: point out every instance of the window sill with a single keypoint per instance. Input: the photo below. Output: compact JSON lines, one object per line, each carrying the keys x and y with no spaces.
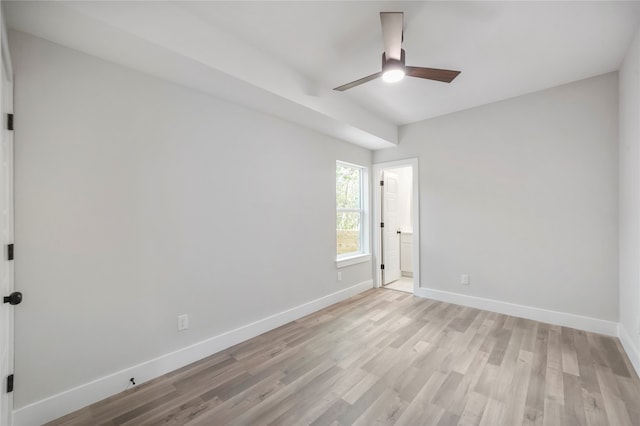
{"x":352,"y":260}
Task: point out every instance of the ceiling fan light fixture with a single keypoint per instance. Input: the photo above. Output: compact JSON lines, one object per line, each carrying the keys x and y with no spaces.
{"x":393,"y":70}
{"x":393,"y":57}
{"x":393,"y":75}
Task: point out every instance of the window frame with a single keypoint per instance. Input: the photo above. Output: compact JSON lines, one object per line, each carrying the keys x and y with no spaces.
{"x":363,"y":255}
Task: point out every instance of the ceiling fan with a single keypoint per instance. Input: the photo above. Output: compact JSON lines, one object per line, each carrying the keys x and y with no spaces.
{"x":393,"y":66}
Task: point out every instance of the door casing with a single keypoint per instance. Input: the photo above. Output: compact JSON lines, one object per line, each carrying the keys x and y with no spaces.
{"x":6,"y":229}
{"x":377,"y":214}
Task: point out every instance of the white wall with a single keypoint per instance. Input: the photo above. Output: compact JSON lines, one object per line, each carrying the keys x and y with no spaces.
{"x":138,"y":200}
{"x":522,"y":195}
{"x":630,"y":202}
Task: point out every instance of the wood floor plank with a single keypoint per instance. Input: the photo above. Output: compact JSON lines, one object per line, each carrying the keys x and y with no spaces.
{"x":448,"y":419}
{"x":388,"y":358}
{"x":419,"y":406}
{"x":144,"y":409}
{"x":502,"y":343}
{"x":493,"y":413}
{"x":178,"y":415}
{"x":529,"y":338}
{"x":617,"y":413}
{"x":573,"y":403}
{"x":421,"y":414}
{"x":594,"y":409}
{"x":446,"y":391}
{"x":329,"y":416}
{"x":485,"y":382}
{"x":516,"y":402}
{"x":362,"y":403}
{"x":586,"y":368}
{"x":283,"y":399}
{"x":473,"y":409}
{"x":553,"y":413}
{"x":613,"y":357}
{"x":568,"y":351}
{"x":502,"y":390}
{"x":554,"y":386}
{"x":226,"y":411}
{"x":298,"y":405}
{"x":630,"y":395}
{"x":554,"y":354}
{"x":108,"y":409}
{"x":386,"y":409}
{"x":424,"y":372}
{"x":458,"y":401}
{"x":534,"y":406}
{"x":360,"y":388}
{"x":471,"y":347}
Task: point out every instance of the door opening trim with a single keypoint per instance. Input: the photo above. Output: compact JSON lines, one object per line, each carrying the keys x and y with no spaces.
{"x":377,"y":215}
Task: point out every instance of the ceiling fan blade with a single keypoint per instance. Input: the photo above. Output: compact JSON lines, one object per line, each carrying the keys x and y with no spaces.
{"x":358,"y":82}
{"x":392,"y":23}
{"x":445,"y":76}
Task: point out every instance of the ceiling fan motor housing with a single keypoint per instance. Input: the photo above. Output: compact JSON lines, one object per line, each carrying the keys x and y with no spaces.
{"x":393,"y":64}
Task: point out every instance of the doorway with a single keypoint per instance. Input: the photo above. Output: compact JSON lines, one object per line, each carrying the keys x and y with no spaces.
{"x":396,"y":219}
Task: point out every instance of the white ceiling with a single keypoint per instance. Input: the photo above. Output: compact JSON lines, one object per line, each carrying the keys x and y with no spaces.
{"x":285,"y":57}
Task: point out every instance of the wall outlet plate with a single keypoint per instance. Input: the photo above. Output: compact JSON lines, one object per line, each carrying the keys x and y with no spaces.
{"x":183,"y":322}
{"x":464,"y":279}
{"x":339,"y":276}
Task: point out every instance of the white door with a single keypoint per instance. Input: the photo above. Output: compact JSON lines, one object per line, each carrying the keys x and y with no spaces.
{"x":6,"y":236}
{"x":390,"y":235}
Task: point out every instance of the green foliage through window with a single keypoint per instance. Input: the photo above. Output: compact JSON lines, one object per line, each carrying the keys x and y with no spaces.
{"x":349,"y":209}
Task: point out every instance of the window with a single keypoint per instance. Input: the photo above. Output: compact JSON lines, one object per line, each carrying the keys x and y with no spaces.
{"x":350,"y":210}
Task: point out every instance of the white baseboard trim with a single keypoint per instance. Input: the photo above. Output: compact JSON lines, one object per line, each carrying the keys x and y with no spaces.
{"x":594,"y":325}
{"x":68,"y":401}
{"x":629,"y":347}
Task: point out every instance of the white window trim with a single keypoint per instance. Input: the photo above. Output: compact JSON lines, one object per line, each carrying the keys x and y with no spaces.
{"x":352,"y":260}
{"x":364,"y":255}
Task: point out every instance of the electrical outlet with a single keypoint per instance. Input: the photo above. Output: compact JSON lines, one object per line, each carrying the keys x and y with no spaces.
{"x":464,"y":279}
{"x":339,"y":276}
{"x":183,"y":322}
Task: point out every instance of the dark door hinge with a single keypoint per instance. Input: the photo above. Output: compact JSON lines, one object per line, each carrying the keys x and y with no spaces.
{"x":381,"y":183}
{"x":382,"y":266}
{"x":10,"y":383}
{"x":9,"y":121}
{"x":9,"y":251}
{"x":381,"y":224}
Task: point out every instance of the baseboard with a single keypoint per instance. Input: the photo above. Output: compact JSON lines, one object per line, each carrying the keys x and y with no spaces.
{"x":629,"y":347}
{"x":594,"y":325}
{"x":68,"y":401}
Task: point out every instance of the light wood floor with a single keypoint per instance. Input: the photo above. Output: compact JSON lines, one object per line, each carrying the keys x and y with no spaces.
{"x":387,"y":357}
